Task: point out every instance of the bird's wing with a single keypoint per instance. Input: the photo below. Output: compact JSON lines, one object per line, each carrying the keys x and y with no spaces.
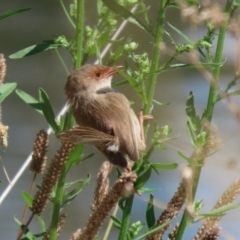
{"x":120,"y":121}
{"x":86,"y":135}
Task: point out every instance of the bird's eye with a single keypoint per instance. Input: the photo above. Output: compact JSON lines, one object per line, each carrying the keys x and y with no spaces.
{"x":97,"y":74}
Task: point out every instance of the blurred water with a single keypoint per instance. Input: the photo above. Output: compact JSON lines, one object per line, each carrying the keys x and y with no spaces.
{"x":45,"y":20}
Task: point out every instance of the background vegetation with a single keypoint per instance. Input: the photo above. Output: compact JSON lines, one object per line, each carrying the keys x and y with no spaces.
{"x":151,"y":46}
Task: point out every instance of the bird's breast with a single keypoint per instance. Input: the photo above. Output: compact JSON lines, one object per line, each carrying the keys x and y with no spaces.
{"x":91,"y":113}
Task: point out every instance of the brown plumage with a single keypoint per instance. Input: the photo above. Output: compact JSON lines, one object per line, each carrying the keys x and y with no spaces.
{"x":104,"y":115}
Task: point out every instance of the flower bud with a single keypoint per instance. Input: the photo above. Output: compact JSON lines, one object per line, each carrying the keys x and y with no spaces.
{"x":88,"y":31}
{"x":112,"y":22}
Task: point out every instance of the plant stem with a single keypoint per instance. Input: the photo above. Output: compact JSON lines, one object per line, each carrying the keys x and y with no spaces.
{"x":156,"y":57}
{"x":79,"y":33}
{"x":125,"y":218}
{"x":209,"y":113}
{"x":216,"y":70}
{"x":66,"y":13}
{"x":57,"y":205}
{"x":147,"y":106}
{"x":62,"y":62}
{"x":26,"y":206}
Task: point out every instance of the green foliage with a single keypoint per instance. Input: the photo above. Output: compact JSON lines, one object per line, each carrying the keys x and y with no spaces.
{"x":28,"y":234}
{"x":150,"y":215}
{"x":41,"y":47}
{"x":143,"y":178}
{"x":48,"y":111}
{"x":116,"y":222}
{"x":30,"y":100}
{"x":6,"y":89}
{"x":11,"y":13}
{"x":69,"y":196}
{"x":134,"y":229}
{"x":126,"y":14}
{"x":27,"y":198}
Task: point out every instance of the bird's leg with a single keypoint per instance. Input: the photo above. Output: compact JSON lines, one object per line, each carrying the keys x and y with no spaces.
{"x":141,"y":120}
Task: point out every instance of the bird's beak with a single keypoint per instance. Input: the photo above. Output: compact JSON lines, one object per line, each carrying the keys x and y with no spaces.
{"x":112,"y":71}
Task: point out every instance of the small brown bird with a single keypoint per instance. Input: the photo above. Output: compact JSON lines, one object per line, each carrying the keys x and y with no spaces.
{"x":103,"y":114}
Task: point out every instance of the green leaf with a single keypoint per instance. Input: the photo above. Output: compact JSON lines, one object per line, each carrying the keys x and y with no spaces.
{"x":48,"y":111}
{"x":99,"y":6}
{"x":188,"y":65}
{"x":191,"y":134}
{"x":137,"y":165}
{"x":134,"y":229}
{"x":11,"y":13}
{"x":159,"y":103}
{"x":74,"y":157}
{"x":6,"y":89}
{"x":120,"y":83}
{"x":142,"y":179}
{"x":41,"y":223}
{"x":27,"y":198}
{"x":130,"y":79}
{"x":38,"y":48}
{"x":154,"y":230}
{"x":190,"y":161}
{"x":148,"y":190}
{"x":236,"y":3}
{"x":35,"y":236}
{"x":126,"y":14}
{"x":117,"y":53}
{"x":169,"y":166}
{"x":122,"y":203}
{"x":28,"y":234}
{"x":81,"y":184}
{"x":87,"y":157}
{"x":193,"y":2}
{"x":201,"y":139}
{"x":60,"y":123}
{"x":218,"y":212}
{"x":97,"y":238}
{"x":69,"y":120}
{"x":170,"y":37}
{"x":187,"y":39}
{"x":150,"y":215}
{"x":29,"y":100}
{"x":229,"y":94}
{"x":116,"y":222}
{"x":135,"y":84}
{"x":190,"y":108}
{"x":173,"y":5}
{"x":194,"y":119}
{"x":191,"y":65}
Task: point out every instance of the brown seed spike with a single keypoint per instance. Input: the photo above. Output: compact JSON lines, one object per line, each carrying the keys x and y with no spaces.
{"x":39,"y":158}
{"x":50,"y":178}
{"x":3,"y":128}
{"x":2,"y":68}
{"x":76,"y":235}
{"x":102,"y":184}
{"x":172,"y":209}
{"x":173,"y":234}
{"x":210,"y":224}
{"x":96,"y":219}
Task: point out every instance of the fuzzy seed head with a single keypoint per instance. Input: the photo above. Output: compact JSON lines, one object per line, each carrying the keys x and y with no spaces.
{"x":50,"y":178}
{"x":39,"y":157}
